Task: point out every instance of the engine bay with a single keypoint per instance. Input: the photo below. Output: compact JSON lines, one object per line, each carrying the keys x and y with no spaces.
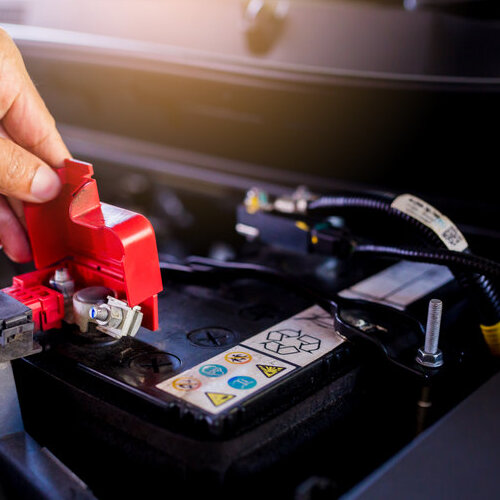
{"x":272,"y":269}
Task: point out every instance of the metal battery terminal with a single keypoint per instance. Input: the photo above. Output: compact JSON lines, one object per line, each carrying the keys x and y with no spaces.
{"x":84,"y":300}
{"x":65,"y":284}
{"x":116,"y":318}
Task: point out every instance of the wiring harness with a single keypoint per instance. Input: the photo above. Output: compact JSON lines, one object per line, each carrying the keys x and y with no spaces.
{"x":437,"y":240}
{"x":480,"y":287}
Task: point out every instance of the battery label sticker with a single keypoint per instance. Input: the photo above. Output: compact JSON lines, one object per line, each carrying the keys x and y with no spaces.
{"x":449,"y":234}
{"x":236,"y":382}
{"x":400,"y":285}
{"x":234,"y":375}
{"x":299,"y":340}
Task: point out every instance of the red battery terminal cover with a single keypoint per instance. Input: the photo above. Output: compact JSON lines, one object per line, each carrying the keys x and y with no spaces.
{"x":98,"y":243}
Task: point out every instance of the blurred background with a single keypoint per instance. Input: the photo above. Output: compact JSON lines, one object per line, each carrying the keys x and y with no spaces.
{"x":182,"y":105}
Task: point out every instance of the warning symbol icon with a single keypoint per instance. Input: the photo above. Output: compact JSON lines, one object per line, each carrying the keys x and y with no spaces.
{"x":238,"y":358}
{"x":186,"y":383}
{"x":270,"y":370}
{"x":218,"y":399}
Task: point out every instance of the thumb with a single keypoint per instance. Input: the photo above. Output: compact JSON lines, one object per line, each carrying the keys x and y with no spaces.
{"x":25,"y":176}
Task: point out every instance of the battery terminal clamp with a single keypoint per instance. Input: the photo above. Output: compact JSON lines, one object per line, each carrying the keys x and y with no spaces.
{"x":84,"y":249}
{"x":116,"y":318}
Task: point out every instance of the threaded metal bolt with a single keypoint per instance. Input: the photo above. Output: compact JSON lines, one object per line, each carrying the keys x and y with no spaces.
{"x":99,"y":313}
{"x":433,"y":326}
{"x":430,"y":355}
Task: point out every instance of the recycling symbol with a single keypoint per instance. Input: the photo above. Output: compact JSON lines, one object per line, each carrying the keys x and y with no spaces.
{"x":288,"y":341}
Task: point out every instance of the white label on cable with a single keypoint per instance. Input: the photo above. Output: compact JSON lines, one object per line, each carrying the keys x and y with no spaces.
{"x":401,"y":284}
{"x":420,"y":210}
{"x":234,"y":375}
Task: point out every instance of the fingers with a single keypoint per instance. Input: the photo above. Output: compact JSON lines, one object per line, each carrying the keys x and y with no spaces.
{"x":25,"y":176}
{"x":12,"y":235}
{"x":23,"y":112}
{"x":18,"y":208}
{"x":29,"y":146}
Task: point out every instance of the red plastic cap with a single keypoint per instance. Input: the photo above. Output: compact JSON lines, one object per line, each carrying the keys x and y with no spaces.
{"x":108,"y":245}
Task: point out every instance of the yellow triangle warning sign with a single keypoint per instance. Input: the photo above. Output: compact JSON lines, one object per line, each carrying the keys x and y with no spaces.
{"x":270,"y":370}
{"x":217,"y":398}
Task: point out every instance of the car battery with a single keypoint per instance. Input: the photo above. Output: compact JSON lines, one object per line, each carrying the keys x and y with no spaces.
{"x":240,"y":377}
{"x":232,"y":375}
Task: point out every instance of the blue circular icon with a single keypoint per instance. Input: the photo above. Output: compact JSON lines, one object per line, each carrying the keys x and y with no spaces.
{"x":242,"y":382}
{"x":213,"y":370}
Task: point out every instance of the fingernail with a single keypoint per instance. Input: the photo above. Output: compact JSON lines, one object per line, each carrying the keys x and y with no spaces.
{"x":45,"y":184}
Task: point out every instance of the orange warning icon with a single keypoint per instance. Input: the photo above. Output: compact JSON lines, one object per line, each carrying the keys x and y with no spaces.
{"x":186,"y":383}
{"x":270,"y":370}
{"x":218,"y":399}
{"x":238,"y":358}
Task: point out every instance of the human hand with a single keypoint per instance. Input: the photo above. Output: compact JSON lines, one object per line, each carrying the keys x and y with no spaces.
{"x":30,"y":146}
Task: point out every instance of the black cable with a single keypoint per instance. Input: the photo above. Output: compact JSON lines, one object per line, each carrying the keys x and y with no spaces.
{"x":456,"y":260}
{"x":481,"y":290}
{"x":374,"y":203}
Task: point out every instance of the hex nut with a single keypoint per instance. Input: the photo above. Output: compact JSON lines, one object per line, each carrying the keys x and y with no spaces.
{"x":430,"y":360}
